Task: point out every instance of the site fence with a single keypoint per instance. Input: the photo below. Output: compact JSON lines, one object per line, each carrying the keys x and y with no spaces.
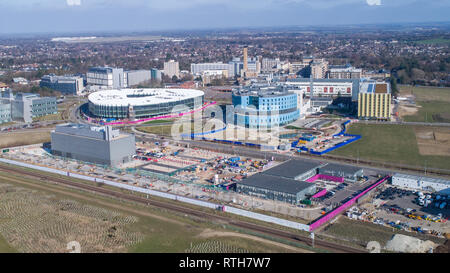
{"x":227,"y":209}
{"x":327,"y":217}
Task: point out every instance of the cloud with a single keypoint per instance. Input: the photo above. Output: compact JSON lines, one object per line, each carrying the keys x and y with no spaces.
{"x":73,"y":2}
{"x":374,"y":2}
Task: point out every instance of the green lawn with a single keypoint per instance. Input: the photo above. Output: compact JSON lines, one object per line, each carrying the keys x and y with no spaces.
{"x":434,"y":103}
{"x":431,"y":111}
{"x":434,"y":41}
{"x":157,"y":121}
{"x":5,"y":247}
{"x":389,"y":143}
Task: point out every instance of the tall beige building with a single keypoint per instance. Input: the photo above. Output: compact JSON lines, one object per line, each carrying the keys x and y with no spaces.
{"x":319,"y":68}
{"x":245,"y":59}
{"x":172,"y":68}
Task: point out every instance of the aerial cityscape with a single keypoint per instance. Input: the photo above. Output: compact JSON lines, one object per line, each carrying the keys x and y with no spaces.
{"x":241,"y":138}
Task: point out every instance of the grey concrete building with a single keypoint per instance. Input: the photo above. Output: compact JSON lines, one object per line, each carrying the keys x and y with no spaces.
{"x":294,"y":169}
{"x":106,"y":77}
{"x":99,"y":145}
{"x":135,"y":77}
{"x":276,"y":188}
{"x":349,"y":173}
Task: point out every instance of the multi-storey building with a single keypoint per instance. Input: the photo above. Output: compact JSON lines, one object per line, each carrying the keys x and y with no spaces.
{"x":67,"y":85}
{"x":264,"y":106}
{"x":198,"y":69}
{"x":26,"y":106}
{"x":135,"y":77}
{"x":99,"y":145}
{"x":106,"y":77}
{"x":172,"y":68}
{"x":155,"y":74}
{"x":374,"y":101}
{"x":319,"y":68}
{"x":5,"y":111}
{"x":327,"y":87}
{"x":344,"y":72}
{"x":270,"y":65}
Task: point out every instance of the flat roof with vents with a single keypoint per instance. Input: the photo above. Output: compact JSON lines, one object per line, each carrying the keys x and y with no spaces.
{"x":140,"y":97}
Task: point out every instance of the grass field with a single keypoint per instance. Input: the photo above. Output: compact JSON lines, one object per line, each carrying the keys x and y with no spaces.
{"x":438,"y":41}
{"x":57,"y":116}
{"x":51,"y":215}
{"x":157,"y":121}
{"x":23,"y":138}
{"x":5,"y":247}
{"x":166,"y":130}
{"x":434,"y":103}
{"x":389,"y":143}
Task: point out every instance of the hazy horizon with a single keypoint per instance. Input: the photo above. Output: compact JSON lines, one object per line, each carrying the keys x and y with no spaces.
{"x":93,"y":16}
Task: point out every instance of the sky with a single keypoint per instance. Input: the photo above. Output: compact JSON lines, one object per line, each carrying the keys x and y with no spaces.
{"x":59,"y":16}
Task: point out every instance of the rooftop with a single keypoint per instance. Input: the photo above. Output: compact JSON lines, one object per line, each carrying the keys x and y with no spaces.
{"x":125,"y":97}
{"x":263,"y":91}
{"x":292,"y":168}
{"x":334,"y":167}
{"x":273,"y":183}
{"x":423,"y":178}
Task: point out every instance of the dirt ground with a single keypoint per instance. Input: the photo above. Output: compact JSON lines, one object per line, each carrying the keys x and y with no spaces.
{"x":433,"y":140}
{"x":407,"y":110}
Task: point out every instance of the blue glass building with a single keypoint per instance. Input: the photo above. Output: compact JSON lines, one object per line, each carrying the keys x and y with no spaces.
{"x":264,"y":107}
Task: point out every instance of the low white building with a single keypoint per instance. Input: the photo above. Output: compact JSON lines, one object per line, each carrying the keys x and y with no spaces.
{"x":421,"y":183}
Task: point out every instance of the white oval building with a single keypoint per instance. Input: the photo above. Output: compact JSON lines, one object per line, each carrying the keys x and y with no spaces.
{"x":142,"y":103}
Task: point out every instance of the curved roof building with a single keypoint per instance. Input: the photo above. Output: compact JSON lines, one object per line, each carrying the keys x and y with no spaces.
{"x":142,"y":103}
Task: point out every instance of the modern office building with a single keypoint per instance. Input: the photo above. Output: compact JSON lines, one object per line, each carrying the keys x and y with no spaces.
{"x":327,"y":87}
{"x":270,"y":65}
{"x":264,"y":106}
{"x":172,"y":68}
{"x":135,"y":77}
{"x":374,"y":100}
{"x":142,"y":103}
{"x":421,"y":183}
{"x":198,"y":69}
{"x":296,"y":67}
{"x":99,"y":145}
{"x":155,"y":74}
{"x":344,"y":72}
{"x":26,"y":106}
{"x":67,"y":85}
{"x":276,"y":188}
{"x":236,"y":68}
{"x":5,"y":111}
{"x":106,"y":77}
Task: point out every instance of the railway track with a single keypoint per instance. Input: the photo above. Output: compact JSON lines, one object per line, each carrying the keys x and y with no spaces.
{"x":185,"y":210}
